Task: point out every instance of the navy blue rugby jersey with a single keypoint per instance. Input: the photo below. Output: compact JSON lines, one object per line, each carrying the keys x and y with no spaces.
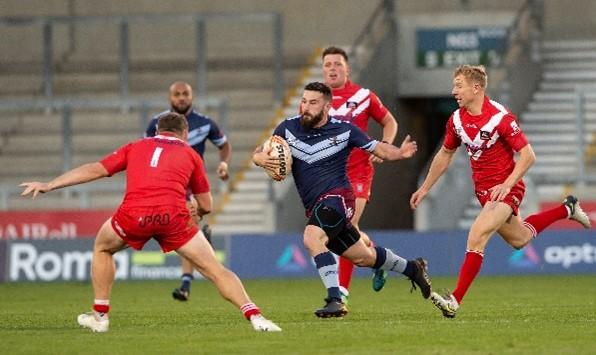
{"x":200,"y":128}
{"x":320,"y":155}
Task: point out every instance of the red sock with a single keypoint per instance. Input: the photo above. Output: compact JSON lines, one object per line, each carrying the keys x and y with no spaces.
{"x":539,"y":221}
{"x":469,"y":270}
{"x":250,"y":309}
{"x":346,"y":268}
{"x":101,"y":308}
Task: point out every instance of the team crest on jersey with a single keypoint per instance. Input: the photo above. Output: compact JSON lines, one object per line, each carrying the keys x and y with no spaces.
{"x":515,"y":128}
{"x":333,"y":141}
{"x":484,"y":135}
{"x":474,"y":151}
{"x":351,"y":104}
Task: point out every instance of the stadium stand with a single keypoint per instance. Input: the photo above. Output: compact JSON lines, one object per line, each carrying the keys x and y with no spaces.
{"x":86,"y":57}
{"x":87,"y":67}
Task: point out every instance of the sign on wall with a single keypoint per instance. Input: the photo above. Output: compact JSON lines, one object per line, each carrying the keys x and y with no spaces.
{"x":70,"y":260}
{"x":45,"y":225}
{"x":284,"y":256}
{"x":451,"y":47}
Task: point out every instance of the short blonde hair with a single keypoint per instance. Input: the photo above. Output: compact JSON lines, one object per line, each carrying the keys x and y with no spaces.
{"x":473,"y":73}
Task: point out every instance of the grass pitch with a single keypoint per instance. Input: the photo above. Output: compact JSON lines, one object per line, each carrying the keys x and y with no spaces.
{"x":500,"y":315}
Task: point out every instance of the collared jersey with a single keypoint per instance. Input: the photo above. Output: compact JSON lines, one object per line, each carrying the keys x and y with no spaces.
{"x":158,"y":170}
{"x":200,"y":128}
{"x":356,"y":105}
{"x":490,"y":138}
{"x":320,"y":155}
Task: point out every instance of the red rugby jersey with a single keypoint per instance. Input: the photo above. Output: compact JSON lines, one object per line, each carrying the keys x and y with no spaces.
{"x":158,"y":170}
{"x":491,"y":138}
{"x":356,"y":104}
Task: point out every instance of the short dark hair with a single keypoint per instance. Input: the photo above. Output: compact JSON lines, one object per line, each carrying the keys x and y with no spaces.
{"x":334,"y":50}
{"x":172,"y":122}
{"x":320,"y":87}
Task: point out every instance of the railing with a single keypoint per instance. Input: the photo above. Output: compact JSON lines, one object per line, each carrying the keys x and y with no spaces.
{"x":66,"y":107}
{"x":378,"y":25}
{"x":47,"y":24}
{"x":584,"y":174}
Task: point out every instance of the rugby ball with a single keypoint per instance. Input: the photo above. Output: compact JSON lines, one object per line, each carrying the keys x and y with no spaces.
{"x":281,"y":151}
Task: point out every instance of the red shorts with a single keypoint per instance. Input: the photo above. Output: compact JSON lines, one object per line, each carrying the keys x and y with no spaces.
{"x":361,"y":181}
{"x":513,"y":199}
{"x":171,"y":226}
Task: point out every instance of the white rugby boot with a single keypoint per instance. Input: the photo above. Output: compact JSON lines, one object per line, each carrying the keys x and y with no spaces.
{"x":575,"y":211}
{"x":262,"y":324}
{"x":91,"y":321}
{"x":446,"y":303}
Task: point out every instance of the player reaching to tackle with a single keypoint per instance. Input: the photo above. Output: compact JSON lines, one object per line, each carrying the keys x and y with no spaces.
{"x":158,"y":170}
{"x":320,"y":146}
{"x":491,"y":135}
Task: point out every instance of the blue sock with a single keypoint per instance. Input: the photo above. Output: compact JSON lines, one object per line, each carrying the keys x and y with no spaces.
{"x":186,"y":279}
{"x":327,"y":267}
{"x":410,"y":269}
{"x":388,"y":260}
{"x":381,"y":257}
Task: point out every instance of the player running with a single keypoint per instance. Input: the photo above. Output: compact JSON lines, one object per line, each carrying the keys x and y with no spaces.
{"x":356,"y":105}
{"x":320,"y":146}
{"x":491,"y":136}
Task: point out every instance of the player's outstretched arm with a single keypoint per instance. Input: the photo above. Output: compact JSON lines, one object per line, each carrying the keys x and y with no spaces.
{"x":439,"y":165}
{"x":82,"y":174}
{"x":390,"y":126}
{"x":390,"y":152}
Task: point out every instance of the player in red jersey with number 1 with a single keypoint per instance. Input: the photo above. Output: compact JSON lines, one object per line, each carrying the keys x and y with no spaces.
{"x":491,"y":136}
{"x":356,"y":104}
{"x":158,"y":170}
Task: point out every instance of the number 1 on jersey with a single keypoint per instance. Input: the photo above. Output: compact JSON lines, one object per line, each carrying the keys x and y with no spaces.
{"x":155,"y":157}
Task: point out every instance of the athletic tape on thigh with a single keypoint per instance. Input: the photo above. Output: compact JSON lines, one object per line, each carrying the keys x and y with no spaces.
{"x":327,"y":219}
{"x":347,"y":237}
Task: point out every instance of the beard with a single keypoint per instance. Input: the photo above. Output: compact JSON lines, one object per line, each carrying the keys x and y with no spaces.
{"x":309,"y":121}
{"x":180,"y":109}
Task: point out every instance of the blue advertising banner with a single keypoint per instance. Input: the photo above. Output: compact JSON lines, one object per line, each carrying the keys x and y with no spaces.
{"x":70,"y":260}
{"x":559,"y":251}
{"x":283,"y":256}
